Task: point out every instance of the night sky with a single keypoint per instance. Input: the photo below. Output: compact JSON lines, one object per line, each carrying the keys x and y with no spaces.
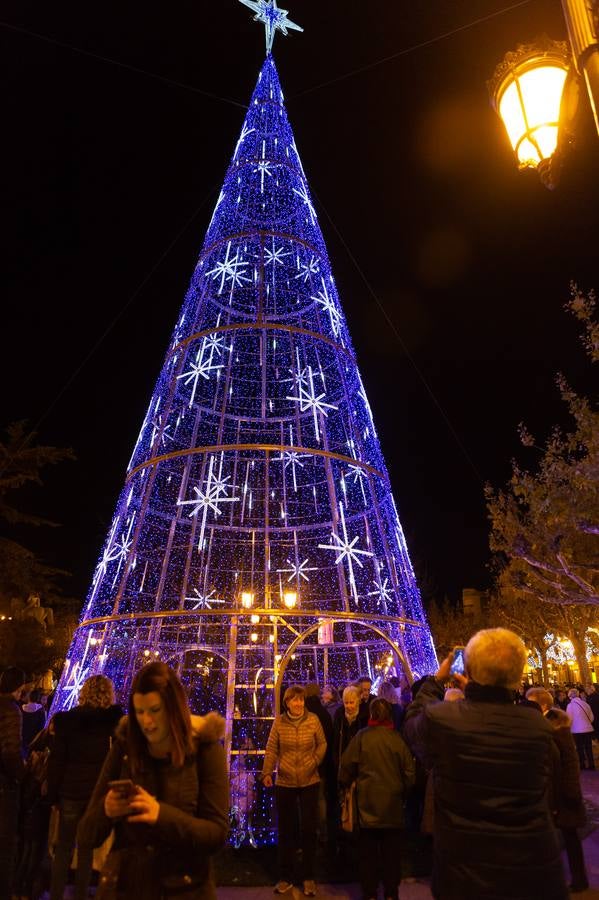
{"x":453,"y":268}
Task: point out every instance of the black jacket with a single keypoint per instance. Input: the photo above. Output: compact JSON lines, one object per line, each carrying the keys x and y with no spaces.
{"x":12,"y":768}
{"x":343,"y":732}
{"x":378,"y":758}
{"x":314,"y":705}
{"x":492,"y":760}
{"x":81,"y":741}
{"x":593,"y":701}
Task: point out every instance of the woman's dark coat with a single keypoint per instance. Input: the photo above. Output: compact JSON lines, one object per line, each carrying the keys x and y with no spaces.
{"x":81,"y":741}
{"x":343,"y":732}
{"x":384,"y":769}
{"x":172,"y":857}
{"x":494,"y":837}
{"x":569,"y":811}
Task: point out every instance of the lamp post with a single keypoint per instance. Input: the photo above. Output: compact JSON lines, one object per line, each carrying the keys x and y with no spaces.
{"x":535,"y":91}
{"x":582,"y":22}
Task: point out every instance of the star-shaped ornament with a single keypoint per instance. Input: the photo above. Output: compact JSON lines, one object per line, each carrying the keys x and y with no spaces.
{"x":273,"y":19}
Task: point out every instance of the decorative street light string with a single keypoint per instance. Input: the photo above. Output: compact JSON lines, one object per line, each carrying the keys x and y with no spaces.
{"x":400,"y":340}
{"x":122,"y":65}
{"x":132,"y":297}
{"x":212,"y":96}
{"x":406,"y":50}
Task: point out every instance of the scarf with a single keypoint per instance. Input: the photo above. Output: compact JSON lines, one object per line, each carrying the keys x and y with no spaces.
{"x":374,"y":723}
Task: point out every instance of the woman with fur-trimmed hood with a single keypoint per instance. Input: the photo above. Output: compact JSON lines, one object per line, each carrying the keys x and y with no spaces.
{"x":169,"y":809}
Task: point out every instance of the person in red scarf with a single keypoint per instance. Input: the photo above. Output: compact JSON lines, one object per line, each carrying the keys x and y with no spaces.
{"x":378,"y":759}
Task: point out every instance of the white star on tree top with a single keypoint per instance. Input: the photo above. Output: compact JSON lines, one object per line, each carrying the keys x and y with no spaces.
{"x":272,"y":18}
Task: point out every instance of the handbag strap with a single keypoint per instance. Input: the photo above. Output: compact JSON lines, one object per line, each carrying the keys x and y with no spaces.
{"x":581,"y":705}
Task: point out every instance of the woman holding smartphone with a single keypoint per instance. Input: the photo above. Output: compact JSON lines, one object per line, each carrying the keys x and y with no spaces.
{"x":169,"y":799}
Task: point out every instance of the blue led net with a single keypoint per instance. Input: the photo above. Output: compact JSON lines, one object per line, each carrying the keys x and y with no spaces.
{"x":257,"y":471}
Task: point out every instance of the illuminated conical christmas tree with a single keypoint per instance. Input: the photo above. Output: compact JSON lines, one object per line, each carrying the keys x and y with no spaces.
{"x":256,"y":540}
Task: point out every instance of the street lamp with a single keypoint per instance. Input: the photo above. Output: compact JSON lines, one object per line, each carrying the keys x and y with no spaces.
{"x":535,"y":90}
{"x":526,"y":90}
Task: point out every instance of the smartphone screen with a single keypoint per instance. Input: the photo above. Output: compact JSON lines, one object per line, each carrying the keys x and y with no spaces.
{"x":457,"y":664}
{"x":124,"y":787}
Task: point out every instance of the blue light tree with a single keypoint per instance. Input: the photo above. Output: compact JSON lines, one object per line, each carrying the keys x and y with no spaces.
{"x":256,"y":540}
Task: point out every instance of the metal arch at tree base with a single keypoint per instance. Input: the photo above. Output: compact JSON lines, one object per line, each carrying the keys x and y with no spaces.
{"x":336,"y":620}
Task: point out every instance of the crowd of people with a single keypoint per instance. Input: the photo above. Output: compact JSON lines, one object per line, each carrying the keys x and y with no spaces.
{"x":142,"y":797}
{"x":486,"y":765}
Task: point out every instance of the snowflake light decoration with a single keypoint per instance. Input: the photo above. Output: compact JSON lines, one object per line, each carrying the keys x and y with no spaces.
{"x":346,"y":550}
{"x":307,"y":269}
{"x":382,"y":592}
{"x":204,"y":363}
{"x":309,"y":400}
{"x":203,"y":601}
{"x":214,"y":493}
{"x":264,"y":167}
{"x":275,"y":256}
{"x":304,"y":196}
{"x":231,"y":268}
{"x":297,"y":570}
{"x":324,"y":299}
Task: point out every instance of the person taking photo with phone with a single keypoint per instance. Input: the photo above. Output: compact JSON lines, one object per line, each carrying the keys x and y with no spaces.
{"x":491,"y":760}
{"x":169,"y":799}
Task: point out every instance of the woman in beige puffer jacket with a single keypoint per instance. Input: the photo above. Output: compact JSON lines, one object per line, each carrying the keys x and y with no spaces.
{"x":296,"y":747}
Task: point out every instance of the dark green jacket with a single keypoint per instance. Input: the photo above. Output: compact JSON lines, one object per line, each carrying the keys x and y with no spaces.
{"x":385,"y":770}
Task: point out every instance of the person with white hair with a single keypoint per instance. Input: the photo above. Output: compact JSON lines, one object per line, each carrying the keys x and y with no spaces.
{"x":346,"y":723}
{"x":493,"y":834}
{"x":582,"y":718}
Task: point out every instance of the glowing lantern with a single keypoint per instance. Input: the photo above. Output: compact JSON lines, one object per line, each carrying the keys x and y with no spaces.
{"x":526,"y":91}
{"x":247,"y":599}
{"x":290,"y":599}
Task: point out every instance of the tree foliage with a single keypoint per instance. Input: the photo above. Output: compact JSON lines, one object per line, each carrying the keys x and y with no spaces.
{"x":21,"y":462}
{"x":450,"y":626}
{"x":540,"y":625}
{"x":25,"y":644}
{"x":584,"y":309}
{"x":545,"y":523}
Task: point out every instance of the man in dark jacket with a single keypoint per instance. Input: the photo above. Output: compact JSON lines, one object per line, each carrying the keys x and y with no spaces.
{"x":494,"y":837}
{"x":12,"y":770}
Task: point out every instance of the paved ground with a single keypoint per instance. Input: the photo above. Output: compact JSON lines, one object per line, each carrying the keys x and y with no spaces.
{"x":419,"y":889}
